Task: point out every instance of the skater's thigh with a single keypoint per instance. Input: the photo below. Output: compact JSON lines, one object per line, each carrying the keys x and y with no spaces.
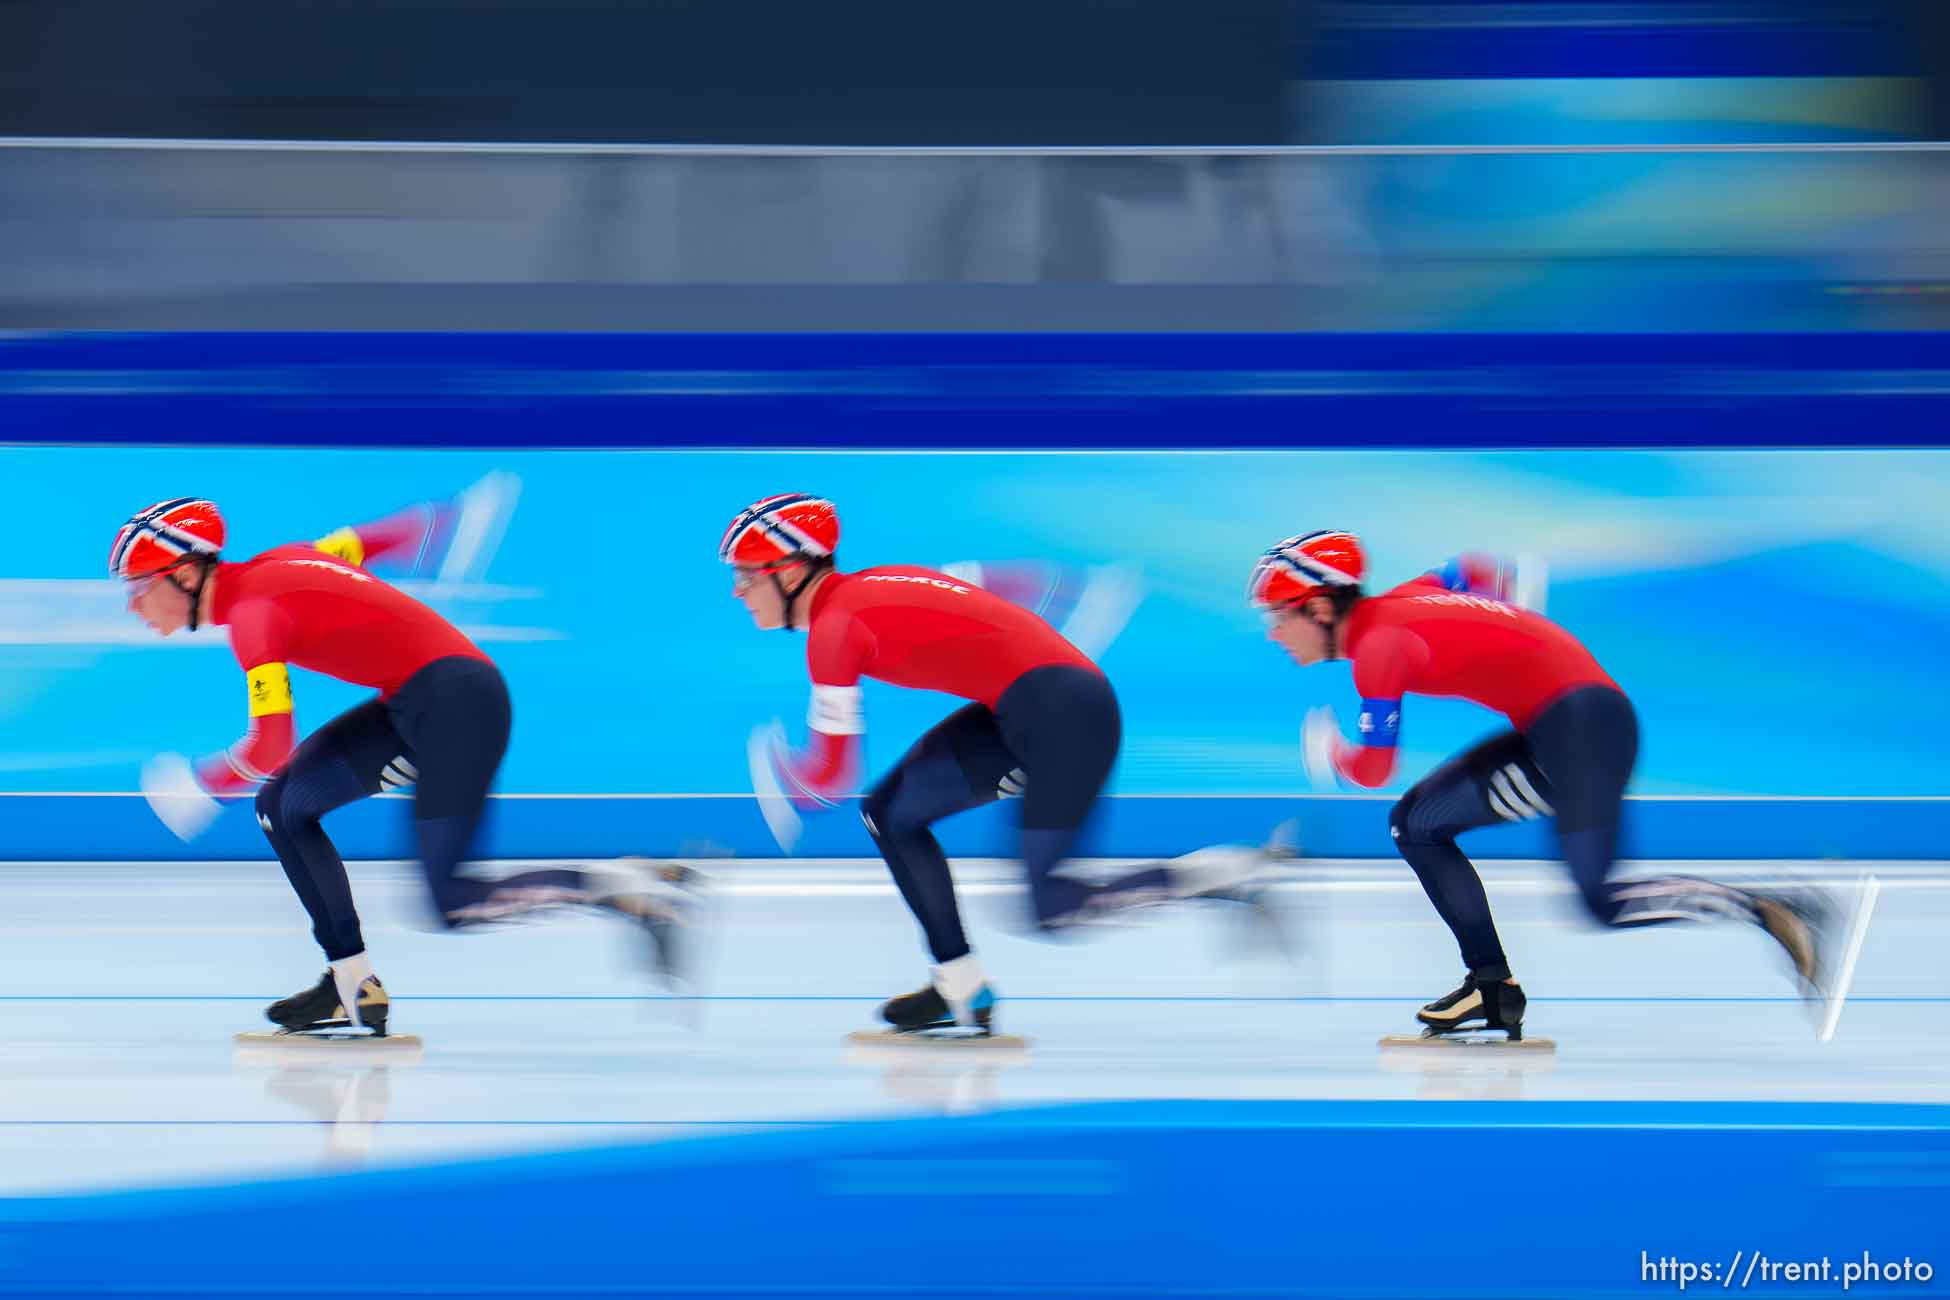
{"x":1064,"y":726}
{"x":1586,"y":744}
{"x":1495,"y":781}
{"x":455,"y":717}
{"x":960,"y":763}
{"x":341,"y":761}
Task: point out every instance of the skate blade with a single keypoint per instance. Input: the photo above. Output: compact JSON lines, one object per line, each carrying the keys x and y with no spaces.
{"x":330,"y":1040}
{"x":952,"y":1040}
{"x":926,"y":1069}
{"x":1858,"y":932}
{"x":1482,"y":1042}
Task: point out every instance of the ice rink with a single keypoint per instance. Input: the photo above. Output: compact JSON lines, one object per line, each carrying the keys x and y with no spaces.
{"x":126,"y":982}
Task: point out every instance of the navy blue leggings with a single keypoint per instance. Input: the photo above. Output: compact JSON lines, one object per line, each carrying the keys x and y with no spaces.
{"x":1571,"y":765}
{"x":444,"y":733}
{"x":1051,"y":739}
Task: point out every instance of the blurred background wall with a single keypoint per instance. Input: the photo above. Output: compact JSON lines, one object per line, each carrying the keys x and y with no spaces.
{"x":710,"y":195}
{"x":1470,"y":274}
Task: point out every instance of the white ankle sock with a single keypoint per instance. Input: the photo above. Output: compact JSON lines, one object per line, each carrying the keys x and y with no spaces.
{"x":605,"y":879}
{"x":960,"y":979}
{"x":350,"y":974}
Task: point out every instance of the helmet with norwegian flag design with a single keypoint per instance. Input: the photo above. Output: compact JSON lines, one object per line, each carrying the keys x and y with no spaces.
{"x":781,"y":527}
{"x":1306,"y":565}
{"x":166,"y":535}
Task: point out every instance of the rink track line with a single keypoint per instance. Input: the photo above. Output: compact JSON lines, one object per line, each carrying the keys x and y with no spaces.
{"x":1308,"y":999}
{"x":1303,"y":797}
{"x":1452,"y":1121}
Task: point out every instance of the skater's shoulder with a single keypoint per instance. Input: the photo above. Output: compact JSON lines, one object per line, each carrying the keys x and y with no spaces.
{"x":1430,"y":610}
{"x":1419,"y":598}
{"x":890,"y":588}
{"x":291,"y":567}
{"x":891,"y":581}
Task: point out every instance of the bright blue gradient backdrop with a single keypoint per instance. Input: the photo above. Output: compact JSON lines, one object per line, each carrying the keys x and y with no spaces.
{"x":1777,"y":615}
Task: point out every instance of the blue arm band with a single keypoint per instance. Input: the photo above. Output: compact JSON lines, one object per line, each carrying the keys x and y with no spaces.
{"x":1450,"y":574}
{"x":1380,"y":723}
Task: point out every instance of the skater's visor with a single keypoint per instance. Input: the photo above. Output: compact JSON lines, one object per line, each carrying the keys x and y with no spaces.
{"x":744,"y":575}
{"x":138,"y":587}
{"x":1281,"y":613}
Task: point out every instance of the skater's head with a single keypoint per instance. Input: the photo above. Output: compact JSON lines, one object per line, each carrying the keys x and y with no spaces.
{"x":165,"y":557}
{"x":780,"y":548}
{"x":1305,"y":587}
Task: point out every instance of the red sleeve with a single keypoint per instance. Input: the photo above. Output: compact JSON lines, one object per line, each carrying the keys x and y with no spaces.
{"x":253,"y":759}
{"x":403,"y":537}
{"x":260,"y":636}
{"x":838,"y":649}
{"x":1368,"y":768}
{"x":260,"y":633}
{"x":1389,"y":660}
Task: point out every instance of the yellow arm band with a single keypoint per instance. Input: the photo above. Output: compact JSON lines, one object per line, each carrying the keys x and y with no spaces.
{"x":270,"y":689}
{"x":344,"y":545}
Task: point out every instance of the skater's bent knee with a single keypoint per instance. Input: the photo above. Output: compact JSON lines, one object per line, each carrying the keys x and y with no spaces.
{"x":873,"y":808}
{"x":270,"y":804}
{"x":1401,"y":824}
{"x":880,"y":810}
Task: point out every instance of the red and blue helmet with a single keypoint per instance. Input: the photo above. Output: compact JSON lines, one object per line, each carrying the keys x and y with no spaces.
{"x":1306,"y":565}
{"x":166,"y":535}
{"x":781,"y":527}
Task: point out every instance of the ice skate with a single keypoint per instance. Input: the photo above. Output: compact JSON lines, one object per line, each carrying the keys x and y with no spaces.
{"x":1230,"y":872}
{"x":1470,"y":1016}
{"x":1838,"y":972}
{"x":1797,"y":922}
{"x":1822,"y":942}
{"x":956,"y":1007}
{"x":667,"y":900}
{"x":1234,"y":873}
{"x":318,"y":1015}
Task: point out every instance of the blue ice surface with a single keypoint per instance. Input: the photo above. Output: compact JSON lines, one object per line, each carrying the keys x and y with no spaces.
{"x":1156,"y":1198}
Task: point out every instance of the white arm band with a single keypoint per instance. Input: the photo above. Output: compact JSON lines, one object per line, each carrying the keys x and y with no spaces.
{"x":836,"y":711}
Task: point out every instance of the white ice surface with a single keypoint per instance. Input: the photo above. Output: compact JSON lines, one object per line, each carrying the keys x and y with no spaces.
{"x":124,"y":983}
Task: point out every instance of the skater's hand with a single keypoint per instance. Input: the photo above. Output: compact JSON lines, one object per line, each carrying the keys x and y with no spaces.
{"x":808,"y":779}
{"x":1320,"y":738}
{"x":170,"y":786}
{"x":772,"y":803}
{"x":1530,"y":583}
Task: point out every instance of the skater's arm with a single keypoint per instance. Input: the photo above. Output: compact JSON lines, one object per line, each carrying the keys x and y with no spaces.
{"x":1370,"y":763}
{"x":257,"y":633}
{"x":1038,"y":588}
{"x":822,"y":773}
{"x":1517,"y":580}
{"x":455,"y":538}
{"x":404,"y":538}
{"x":1388,"y":661}
{"x":1475,"y":573}
{"x":826,"y":770}
{"x":1088,"y":606}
